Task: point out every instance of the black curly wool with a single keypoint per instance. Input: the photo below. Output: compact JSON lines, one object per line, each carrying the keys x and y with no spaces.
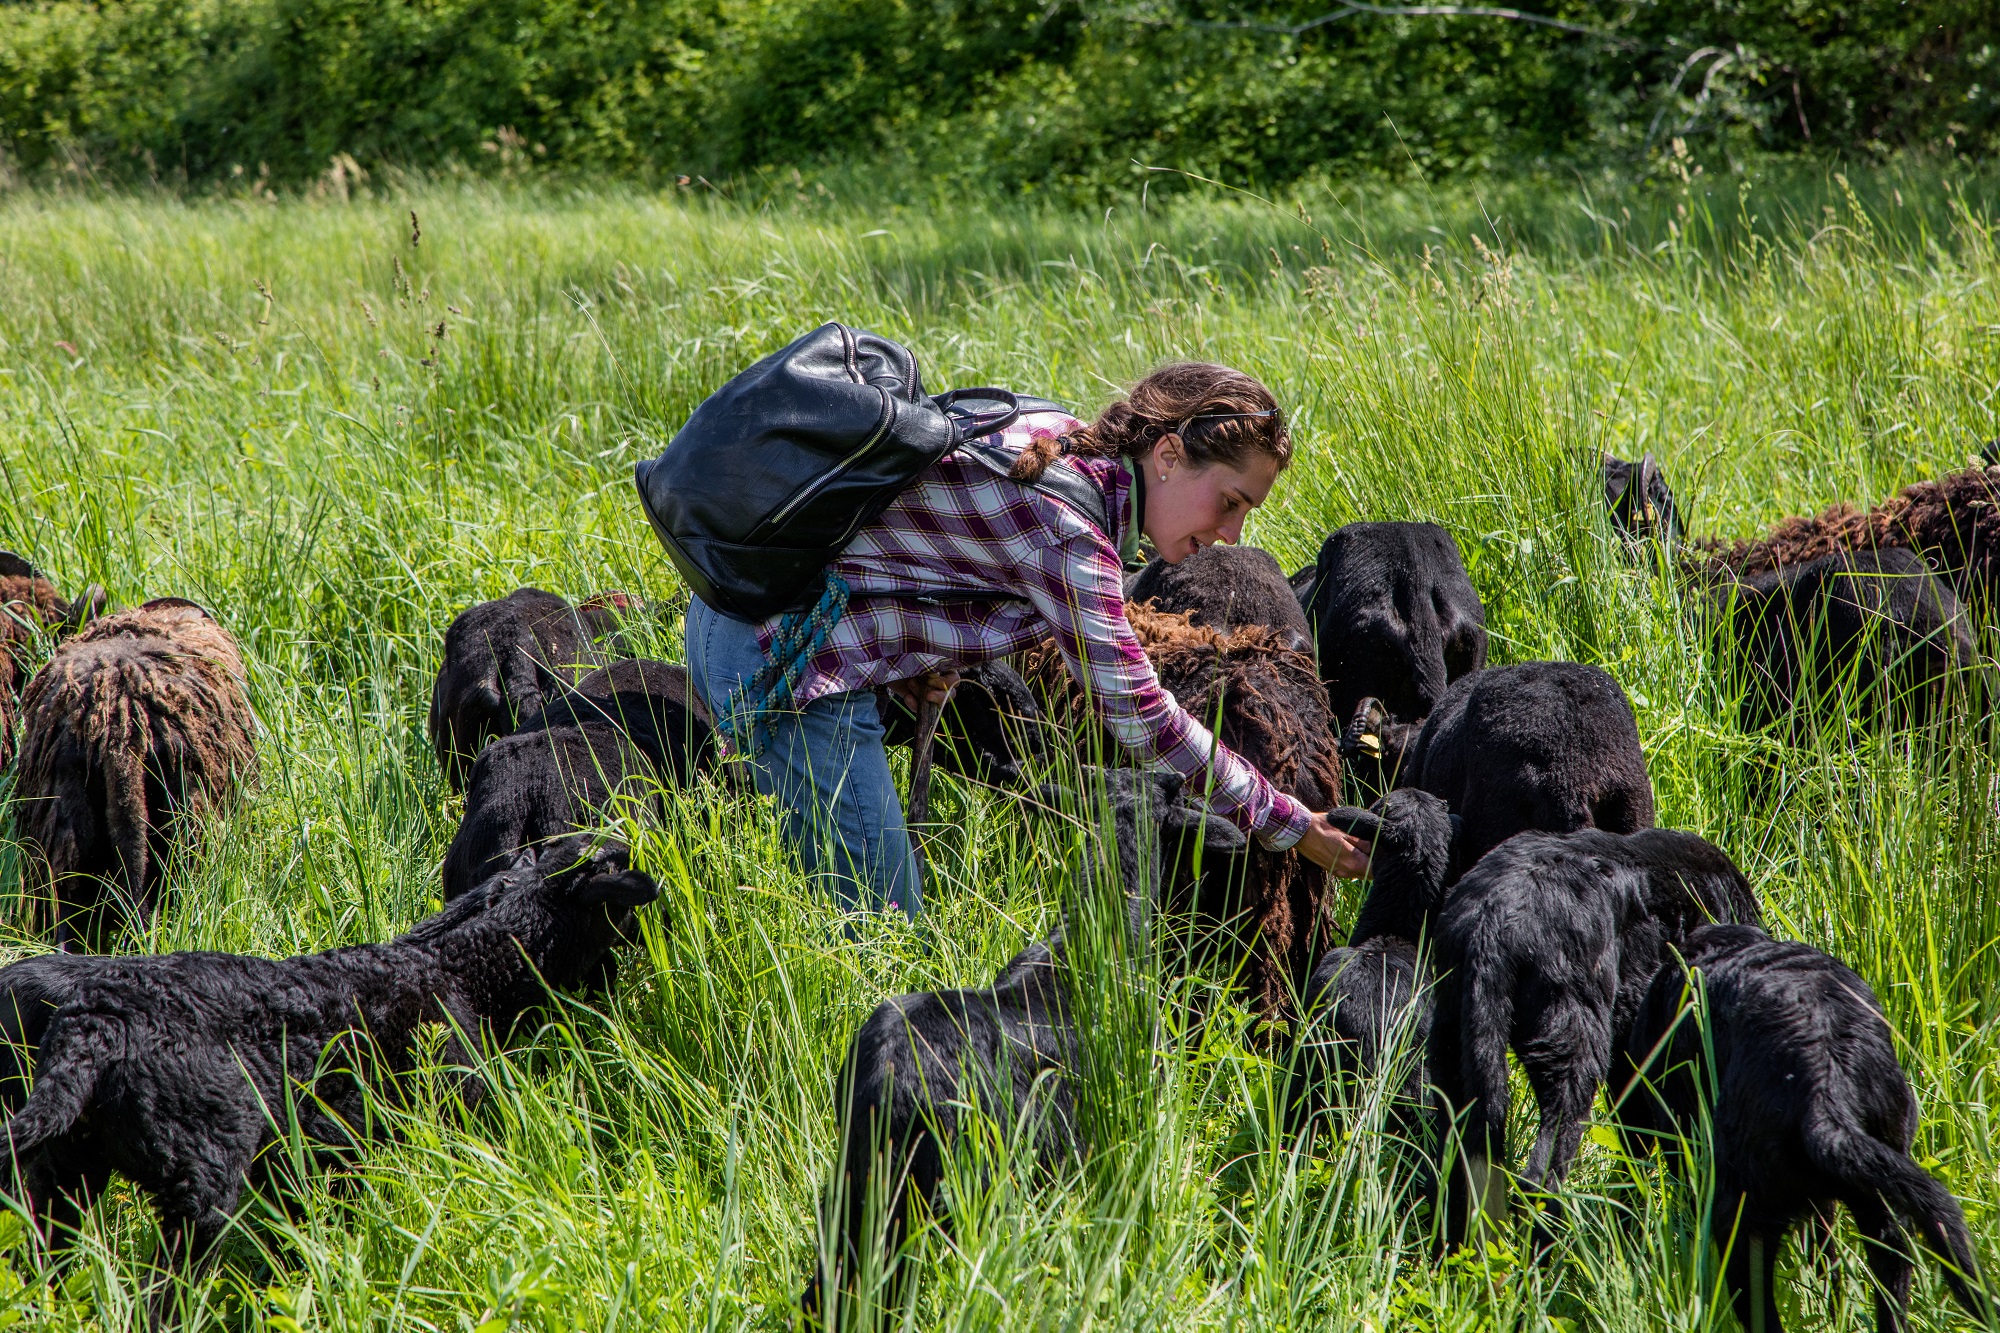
{"x":178,"y":1070}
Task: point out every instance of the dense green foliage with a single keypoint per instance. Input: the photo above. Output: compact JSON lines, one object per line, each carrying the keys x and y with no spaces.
{"x":337,"y":440}
{"x":1061,"y":96}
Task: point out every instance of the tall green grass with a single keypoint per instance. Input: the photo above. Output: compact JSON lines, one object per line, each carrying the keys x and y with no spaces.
{"x":337,"y":438}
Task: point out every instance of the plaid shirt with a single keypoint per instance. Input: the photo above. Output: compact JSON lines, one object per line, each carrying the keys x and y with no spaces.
{"x":966,"y":566}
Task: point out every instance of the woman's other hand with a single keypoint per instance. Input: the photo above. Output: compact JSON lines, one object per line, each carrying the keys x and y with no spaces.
{"x":931,"y":687}
{"x":1340,"y":854}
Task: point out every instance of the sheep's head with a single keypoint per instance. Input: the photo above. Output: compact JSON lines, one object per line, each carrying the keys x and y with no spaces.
{"x":1641,"y":504}
{"x":594,"y":895}
{"x":1414,"y":837}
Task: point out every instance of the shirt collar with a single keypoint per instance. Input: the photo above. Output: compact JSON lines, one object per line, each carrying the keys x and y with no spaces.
{"x":1131,"y":506}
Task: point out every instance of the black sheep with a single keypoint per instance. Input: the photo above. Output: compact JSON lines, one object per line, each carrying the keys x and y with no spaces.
{"x":1365,"y":996}
{"x":989,"y":729}
{"x":555,"y":774}
{"x":1397,"y":621}
{"x":1225,"y":588}
{"x":1808,"y":1108}
{"x":501,"y":658}
{"x":653,"y":702}
{"x":1548,"y":944}
{"x":133,"y":734}
{"x":178,"y":1070}
{"x":1877,"y":627}
{"x":1269,"y":910}
{"x":1539,"y":745}
{"x":920,"y":1061}
{"x":1641,"y":504}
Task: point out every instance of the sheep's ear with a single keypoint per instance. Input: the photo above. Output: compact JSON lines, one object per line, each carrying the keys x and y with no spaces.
{"x":1363,"y":824}
{"x":627,"y":888}
{"x":1217,"y":833}
{"x":1617,"y":480}
{"x":88,"y":606}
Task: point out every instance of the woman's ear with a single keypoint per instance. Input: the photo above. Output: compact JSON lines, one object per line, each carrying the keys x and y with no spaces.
{"x":1166,"y":454}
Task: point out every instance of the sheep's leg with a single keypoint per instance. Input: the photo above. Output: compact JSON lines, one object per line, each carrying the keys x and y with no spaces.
{"x":1752,"y":1274}
{"x":186,"y":1245}
{"x":1565,"y":1100}
{"x":59,"y":1184}
{"x":1889,"y":1260}
{"x":1468,"y":1054}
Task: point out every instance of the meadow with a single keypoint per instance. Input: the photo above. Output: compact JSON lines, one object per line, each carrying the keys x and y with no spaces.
{"x":336,"y":421}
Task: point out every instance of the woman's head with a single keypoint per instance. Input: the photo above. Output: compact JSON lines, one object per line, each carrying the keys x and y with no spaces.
{"x":1210,"y":441}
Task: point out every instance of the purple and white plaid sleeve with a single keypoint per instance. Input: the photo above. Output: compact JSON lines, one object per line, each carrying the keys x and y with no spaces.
{"x":1080,"y":593}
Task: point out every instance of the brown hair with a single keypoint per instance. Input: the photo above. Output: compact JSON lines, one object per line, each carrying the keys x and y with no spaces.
{"x":1221,"y":415}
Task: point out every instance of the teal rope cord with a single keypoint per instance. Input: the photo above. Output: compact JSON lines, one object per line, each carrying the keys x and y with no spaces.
{"x":796,"y":641}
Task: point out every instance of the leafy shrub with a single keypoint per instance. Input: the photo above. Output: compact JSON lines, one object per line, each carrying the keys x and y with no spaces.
{"x":1062,"y":96}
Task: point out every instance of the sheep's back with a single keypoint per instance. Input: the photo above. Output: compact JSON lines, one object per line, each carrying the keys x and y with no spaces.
{"x":1549,"y":746}
{"x":136,"y":693}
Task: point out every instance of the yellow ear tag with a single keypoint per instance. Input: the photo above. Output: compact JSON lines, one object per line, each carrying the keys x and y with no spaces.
{"x":1371,"y":746}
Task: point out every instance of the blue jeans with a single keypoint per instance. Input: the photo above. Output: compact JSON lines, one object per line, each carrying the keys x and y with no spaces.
{"x":826,"y":765}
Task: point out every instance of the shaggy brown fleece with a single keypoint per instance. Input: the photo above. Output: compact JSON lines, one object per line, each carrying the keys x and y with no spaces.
{"x":1274,"y":713}
{"x":1953,"y":521}
{"x":29,"y":607}
{"x":133,"y":733}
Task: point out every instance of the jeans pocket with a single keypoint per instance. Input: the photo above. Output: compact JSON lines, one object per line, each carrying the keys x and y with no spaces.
{"x":698,"y":633}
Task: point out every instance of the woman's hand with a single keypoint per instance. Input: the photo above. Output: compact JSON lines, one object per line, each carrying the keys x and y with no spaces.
{"x":1341,"y":854}
{"x":931,"y":687}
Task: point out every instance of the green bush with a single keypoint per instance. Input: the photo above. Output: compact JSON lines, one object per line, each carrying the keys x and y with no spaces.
{"x":1061,"y":96}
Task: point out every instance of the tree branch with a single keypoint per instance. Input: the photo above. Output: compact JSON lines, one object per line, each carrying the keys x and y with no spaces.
{"x":1349,"y":8}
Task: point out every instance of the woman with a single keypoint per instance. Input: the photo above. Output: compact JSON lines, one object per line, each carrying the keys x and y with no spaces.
{"x":966,"y":566}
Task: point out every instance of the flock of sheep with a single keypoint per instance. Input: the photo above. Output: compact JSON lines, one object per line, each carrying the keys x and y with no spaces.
{"x":1520,"y":897}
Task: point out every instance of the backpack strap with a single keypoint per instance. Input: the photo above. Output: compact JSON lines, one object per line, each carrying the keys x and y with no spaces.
{"x":1066,"y":485}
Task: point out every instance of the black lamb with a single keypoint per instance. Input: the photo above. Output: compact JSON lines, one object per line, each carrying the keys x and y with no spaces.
{"x":1365,"y":997}
{"x":1548,"y":944}
{"x":1539,"y":745}
{"x":1809,"y":1109}
{"x":1226,"y":588}
{"x":921,"y":1061}
{"x":1397,"y":621}
{"x":626,"y":730}
{"x":178,"y":1070}
{"x":501,"y":658}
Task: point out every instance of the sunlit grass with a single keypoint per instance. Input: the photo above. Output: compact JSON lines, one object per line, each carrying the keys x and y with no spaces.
{"x":256,"y":408}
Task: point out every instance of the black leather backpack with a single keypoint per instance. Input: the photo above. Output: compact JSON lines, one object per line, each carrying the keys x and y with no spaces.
{"x":778,"y":469}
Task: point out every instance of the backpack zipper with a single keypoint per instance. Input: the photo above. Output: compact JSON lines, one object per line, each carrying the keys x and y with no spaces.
{"x":806,"y":493}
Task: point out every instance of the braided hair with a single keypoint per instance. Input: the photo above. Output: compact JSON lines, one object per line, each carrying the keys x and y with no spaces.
{"x":1221,"y":416}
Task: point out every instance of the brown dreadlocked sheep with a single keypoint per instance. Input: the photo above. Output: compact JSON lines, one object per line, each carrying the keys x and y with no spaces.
{"x":1273,"y":712}
{"x":1954,"y":522}
{"x":30,"y":608}
{"x":133,"y":733}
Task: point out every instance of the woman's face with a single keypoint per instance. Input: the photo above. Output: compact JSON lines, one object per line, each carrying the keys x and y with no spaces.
{"x":1189,"y":507}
